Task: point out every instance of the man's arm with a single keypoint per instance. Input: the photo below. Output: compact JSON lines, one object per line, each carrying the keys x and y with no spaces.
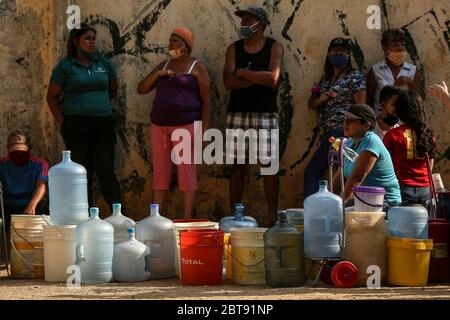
{"x":268,"y":78}
{"x":230,"y":79}
{"x":38,"y":194}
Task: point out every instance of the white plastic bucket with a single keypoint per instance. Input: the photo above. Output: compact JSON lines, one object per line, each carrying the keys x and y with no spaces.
{"x":369,"y":199}
{"x":247,"y":254}
{"x":27,"y":243}
{"x":184,"y":224}
{"x":59,"y":251}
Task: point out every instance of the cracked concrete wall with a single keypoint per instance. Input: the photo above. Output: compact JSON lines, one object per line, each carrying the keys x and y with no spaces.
{"x":134,"y":35}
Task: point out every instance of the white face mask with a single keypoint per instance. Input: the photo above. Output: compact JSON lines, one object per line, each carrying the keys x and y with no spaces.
{"x":176,"y":53}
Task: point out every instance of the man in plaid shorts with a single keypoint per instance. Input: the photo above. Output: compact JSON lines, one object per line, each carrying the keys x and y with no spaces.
{"x":252,"y":71}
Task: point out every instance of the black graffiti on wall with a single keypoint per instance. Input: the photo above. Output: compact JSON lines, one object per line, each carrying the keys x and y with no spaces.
{"x":7,"y":7}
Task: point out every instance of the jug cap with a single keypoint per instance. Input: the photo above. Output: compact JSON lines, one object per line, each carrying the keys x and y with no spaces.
{"x":94,"y":211}
{"x":117,"y":206}
{"x":131,"y":230}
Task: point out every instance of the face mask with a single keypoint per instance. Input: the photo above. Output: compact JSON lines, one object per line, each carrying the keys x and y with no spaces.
{"x":390,"y":120}
{"x":82,"y":52}
{"x":397,"y":58}
{"x":19,"y":158}
{"x":175,"y":53}
{"x":247,"y":31}
{"x":339,"y":60}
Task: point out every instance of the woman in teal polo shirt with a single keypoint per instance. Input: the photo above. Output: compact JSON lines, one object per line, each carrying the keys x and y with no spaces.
{"x":87,"y":82}
{"x":374,"y":165}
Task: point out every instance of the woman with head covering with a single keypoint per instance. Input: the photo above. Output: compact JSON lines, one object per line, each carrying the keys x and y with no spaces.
{"x":340,"y":86}
{"x":182,"y":97}
{"x":373,"y":166}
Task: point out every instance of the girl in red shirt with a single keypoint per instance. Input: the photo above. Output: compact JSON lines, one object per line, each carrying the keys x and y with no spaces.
{"x":408,"y":144}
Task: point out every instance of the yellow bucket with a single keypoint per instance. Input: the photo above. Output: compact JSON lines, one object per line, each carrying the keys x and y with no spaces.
{"x":227,"y":251}
{"x":247,"y":250}
{"x":408,"y":261}
{"x":27,"y":242}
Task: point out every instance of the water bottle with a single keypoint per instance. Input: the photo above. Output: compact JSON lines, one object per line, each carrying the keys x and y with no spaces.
{"x":323,"y":224}
{"x":130,"y":260}
{"x":67,"y":184}
{"x":283,"y":252}
{"x":349,"y":153}
{"x":120,"y":224}
{"x":239,"y":221}
{"x":232,"y":217}
{"x":157,"y":232}
{"x":94,"y":249}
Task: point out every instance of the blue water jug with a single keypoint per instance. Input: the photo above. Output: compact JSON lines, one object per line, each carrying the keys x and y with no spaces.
{"x":408,"y":222}
{"x":239,"y":220}
{"x":67,"y":184}
{"x":94,"y":249}
{"x":158,"y":233}
{"x":323,"y":224}
{"x":120,"y":223}
{"x":130,"y":260}
{"x":232,"y":217}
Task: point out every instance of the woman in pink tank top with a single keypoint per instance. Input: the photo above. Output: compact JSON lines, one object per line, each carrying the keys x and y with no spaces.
{"x":183,"y":97}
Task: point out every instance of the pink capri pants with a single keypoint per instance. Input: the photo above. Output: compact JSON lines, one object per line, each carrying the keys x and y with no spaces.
{"x":162,"y":146}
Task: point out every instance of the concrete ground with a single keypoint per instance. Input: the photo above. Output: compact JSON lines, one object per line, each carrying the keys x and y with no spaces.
{"x":14,"y":289}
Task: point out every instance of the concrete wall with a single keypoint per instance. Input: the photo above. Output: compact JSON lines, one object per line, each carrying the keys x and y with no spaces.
{"x":134,"y":35}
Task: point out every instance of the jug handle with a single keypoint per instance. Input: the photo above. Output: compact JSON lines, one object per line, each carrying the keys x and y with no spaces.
{"x":80,"y":253}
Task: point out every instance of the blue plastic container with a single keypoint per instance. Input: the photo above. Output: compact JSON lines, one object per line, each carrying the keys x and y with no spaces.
{"x":408,"y":222}
{"x":67,"y":184}
{"x":120,"y":223}
{"x":239,"y":220}
{"x":158,"y":232}
{"x":232,"y":217}
{"x":94,"y":249}
{"x":323,"y":224}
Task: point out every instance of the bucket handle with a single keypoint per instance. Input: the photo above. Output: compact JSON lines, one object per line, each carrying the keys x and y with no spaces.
{"x":369,"y":204}
{"x":18,"y":252}
{"x":50,"y":224}
{"x":238,"y":261}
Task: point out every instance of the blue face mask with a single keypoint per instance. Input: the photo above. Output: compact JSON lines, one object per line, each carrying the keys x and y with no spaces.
{"x":247,"y":31}
{"x":339,"y":60}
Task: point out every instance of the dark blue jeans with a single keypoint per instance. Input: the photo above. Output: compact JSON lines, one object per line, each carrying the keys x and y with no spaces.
{"x":416,"y":195}
{"x":318,"y":164}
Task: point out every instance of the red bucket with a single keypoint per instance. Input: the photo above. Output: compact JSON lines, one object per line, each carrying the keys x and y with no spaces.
{"x":439,"y":231}
{"x":201,"y":253}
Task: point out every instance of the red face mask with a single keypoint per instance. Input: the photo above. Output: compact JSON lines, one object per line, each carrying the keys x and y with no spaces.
{"x":19,"y":158}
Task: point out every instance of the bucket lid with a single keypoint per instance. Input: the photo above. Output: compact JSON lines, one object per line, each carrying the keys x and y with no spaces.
{"x":368,"y":189}
{"x":252,"y":232}
{"x":408,"y":243}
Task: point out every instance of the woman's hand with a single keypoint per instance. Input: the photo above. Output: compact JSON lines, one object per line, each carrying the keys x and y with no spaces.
{"x":438,"y":91}
{"x":166,"y":73}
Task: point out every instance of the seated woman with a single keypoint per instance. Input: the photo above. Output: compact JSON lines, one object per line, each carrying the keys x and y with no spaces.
{"x":374,"y":165}
{"x":409,"y":144}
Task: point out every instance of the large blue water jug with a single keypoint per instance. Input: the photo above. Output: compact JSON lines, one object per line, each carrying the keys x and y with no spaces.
{"x":67,"y":184}
{"x":239,"y":220}
{"x":408,"y":222}
{"x":94,"y":249}
{"x":130,"y":260}
{"x":323,"y":224}
{"x":158,"y":232}
{"x":232,"y":217}
{"x":120,"y":223}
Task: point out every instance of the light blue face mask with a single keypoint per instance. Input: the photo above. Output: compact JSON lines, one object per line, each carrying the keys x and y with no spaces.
{"x":247,"y":31}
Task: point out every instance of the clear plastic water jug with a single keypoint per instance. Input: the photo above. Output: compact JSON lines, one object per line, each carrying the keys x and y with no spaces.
{"x":67,"y":184}
{"x":232,"y":217}
{"x":120,"y":224}
{"x":408,"y":222}
{"x":130,"y":260}
{"x":284,"y":256}
{"x":239,"y":220}
{"x":157,"y":232}
{"x":323,"y":224}
{"x":94,"y":249}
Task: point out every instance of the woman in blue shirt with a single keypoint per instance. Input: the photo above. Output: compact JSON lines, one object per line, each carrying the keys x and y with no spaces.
{"x":374,"y":165}
{"x":87,"y":82}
